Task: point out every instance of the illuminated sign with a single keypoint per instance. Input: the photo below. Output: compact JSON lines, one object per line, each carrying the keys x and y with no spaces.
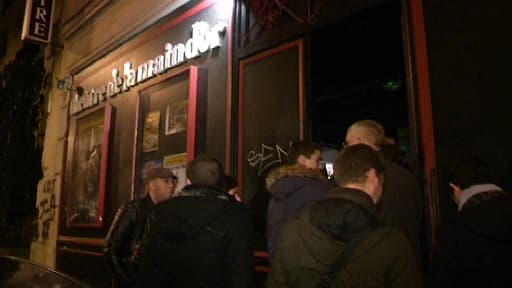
{"x":37,"y":25}
{"x":204,"y":38}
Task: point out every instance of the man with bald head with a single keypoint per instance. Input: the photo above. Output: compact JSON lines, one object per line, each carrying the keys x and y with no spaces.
{"x":400,"y":205}
{"x":369,"y":132}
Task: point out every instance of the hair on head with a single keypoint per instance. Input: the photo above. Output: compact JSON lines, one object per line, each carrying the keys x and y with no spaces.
{"x":468,"y":170}
{"x":301,"y":148}
{"x":370,"y":130}
{"x":205,"y":170}
{"x":354,"y":162}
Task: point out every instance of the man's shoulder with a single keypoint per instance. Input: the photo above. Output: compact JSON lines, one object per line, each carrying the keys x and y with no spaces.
{"x":389,"y":240}
{"x":211,"y":204}
{"x":134,"y":203}
{"x":398,"y":178}
{"x":173,"y":204}
{"x":395,"y":168}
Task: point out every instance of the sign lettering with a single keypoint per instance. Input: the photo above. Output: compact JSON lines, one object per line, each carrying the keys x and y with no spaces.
{"x":204,"y":38}
{"x":38,"y":21}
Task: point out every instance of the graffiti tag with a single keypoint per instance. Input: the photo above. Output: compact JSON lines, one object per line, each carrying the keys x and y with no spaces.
{"x":268,"y":156}
{"x":46,"y":208}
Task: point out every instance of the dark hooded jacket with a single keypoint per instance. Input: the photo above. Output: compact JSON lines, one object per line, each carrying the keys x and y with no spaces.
{"x":401,"y":203}
{"x":311,"y":242}
{"x":198,"y":238}
{"x":292,"y":187}
{"x":474,"y":247}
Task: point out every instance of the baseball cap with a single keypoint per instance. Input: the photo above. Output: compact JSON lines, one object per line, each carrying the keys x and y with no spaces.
{"x":158,"y":172}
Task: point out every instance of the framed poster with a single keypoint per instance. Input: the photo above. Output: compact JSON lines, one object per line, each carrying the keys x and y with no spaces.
{"x":151,"y":132}
{"x":176,"y":117}
{"x":89,"y":159}
{"x":178,"y":101}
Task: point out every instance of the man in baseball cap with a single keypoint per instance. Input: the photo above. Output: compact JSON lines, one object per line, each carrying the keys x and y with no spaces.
{"x":126,"y":233}
{"x":160,"y":184}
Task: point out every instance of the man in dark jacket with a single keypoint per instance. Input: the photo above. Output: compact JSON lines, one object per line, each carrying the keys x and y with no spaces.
{"x":200,"y":237}
{"x":312,"y":241}
{"x":401,"y":203}
{"x":474,"y":247}
{"x":294,"y":186}
{"x":126,"y":233}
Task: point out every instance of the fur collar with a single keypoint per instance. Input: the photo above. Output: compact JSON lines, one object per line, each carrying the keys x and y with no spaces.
{"x":292,"y":170}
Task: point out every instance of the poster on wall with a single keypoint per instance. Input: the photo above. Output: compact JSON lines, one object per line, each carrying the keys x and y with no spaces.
{"x":151,"y":131}
{"x":175,"y":98}
{"x":176,"y":117}
{"x":90,"y":152}
{"x":177,"y":163}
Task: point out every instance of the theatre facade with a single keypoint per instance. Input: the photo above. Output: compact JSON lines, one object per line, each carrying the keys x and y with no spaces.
{"x":138,"y":84}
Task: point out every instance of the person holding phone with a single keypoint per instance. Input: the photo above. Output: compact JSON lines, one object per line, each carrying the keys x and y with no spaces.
{"x":474,"y":247}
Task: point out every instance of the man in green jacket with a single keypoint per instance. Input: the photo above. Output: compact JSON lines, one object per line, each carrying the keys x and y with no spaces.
{"x":311,"y":242}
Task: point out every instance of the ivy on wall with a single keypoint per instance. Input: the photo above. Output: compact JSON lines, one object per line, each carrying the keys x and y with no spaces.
{"x":22,"y":114}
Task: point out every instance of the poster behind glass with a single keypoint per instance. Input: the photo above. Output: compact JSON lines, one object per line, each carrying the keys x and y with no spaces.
{"x":163,"y":128}
{"x":86,"y":192}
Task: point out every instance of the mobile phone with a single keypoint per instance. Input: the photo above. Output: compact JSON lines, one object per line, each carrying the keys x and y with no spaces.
{"x":329,"y":168}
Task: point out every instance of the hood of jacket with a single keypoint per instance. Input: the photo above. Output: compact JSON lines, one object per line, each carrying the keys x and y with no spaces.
{"x":491,"y":218}
{"x":344,"y":213}
{"x":191,"y":211}
{"x":286,"y":171}
{"x":310,"y":238}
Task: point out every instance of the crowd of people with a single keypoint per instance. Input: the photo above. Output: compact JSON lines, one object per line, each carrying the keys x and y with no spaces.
{"x":363,"y":230}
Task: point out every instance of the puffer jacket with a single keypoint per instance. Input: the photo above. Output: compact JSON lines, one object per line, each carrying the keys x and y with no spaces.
{"x":199,"y":238}
{"x":124,"y":240}
{"x":311,"y":242}
{"x":292,"y":187}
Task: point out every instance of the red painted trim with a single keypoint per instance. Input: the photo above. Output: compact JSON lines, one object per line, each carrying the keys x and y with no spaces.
{"x":260,"y":268}
{"x":263,"y":269}
{"x":229,"y":97}
{"x":241,"y":93}
{"x":173,"y":23}
{"x":100,"y":242}
{"x":296,"y":43}
{"x":104,"y":161}
{"x":79,"y":251}
{"x":423,"y":82}
{"x":192,"y":113}
{"x":425,"y":109}
{"x":134,"y":149}
{"x":301,"y":88}
{"x":96,"y":242}
{"x":272,"y":51}
{"x":261,"y":254}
